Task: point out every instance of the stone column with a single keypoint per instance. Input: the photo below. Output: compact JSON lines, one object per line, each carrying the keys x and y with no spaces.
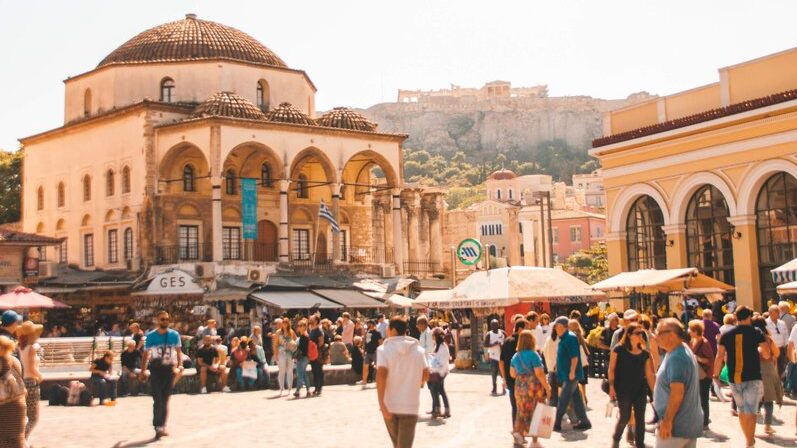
{"x":336,"y":213}
{"x":745,"y":261}
{"x":398,"y":255}
{"x":216,"y":228}
{"x":676,"y":246}
{"x":413,"y":209}
{"x":284,"y":256}
{"x":435,"y":237}
{"x":617,"y":248}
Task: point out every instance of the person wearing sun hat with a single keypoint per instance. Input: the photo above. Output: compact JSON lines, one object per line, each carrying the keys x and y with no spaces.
{"x":29,"y":349}
{"x":9,"y":322}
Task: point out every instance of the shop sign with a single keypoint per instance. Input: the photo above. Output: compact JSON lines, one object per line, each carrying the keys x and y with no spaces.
{"x":173,"y":282}
{"x":11,"y":265}
{"x":199,"y":310}
{"x":249,"y":208}
{"x":469,"y":252}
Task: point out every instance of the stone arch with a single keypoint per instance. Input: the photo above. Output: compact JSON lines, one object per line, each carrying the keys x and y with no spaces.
{"x":343,"y":217}
{"x":187,"y":209}
{"x":755,"y":178}
{"x":368,"y":158}
{"x":247,"y":158}
{"x":687,"y":188}
{"x":86,"y":221}
{"x":629,"y":195}
{"x":308,"y":154}
{"x":60,"y":224}
{"x":301,"y":215}
{"x":110,"y":216}
{"x":231,"y":213}
{"x":170,"y":167}
{"x":87,"y":102}
{"x":126,"y":214}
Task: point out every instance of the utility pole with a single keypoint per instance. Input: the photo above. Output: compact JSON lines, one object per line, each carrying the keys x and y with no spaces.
{"x":539,"y":195}
{"x":550,"y":228}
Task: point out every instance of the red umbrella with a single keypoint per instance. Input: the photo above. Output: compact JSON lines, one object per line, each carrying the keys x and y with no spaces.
{"x":22,"y":297}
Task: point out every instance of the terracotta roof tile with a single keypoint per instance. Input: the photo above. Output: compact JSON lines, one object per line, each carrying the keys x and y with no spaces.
{"x":345,"y":118}
{"x":192,"y":39}
{"x":228,"y":104}
{"x":12,"y":236}
{"x":288,"y":113}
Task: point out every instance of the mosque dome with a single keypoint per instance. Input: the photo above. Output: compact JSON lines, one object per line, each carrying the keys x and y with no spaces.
{"x":502,"y":174}
{"x":345,"y":118}
{"x":288,"y":113}
{"x":192,"y":39}
{"x":228,"y":104}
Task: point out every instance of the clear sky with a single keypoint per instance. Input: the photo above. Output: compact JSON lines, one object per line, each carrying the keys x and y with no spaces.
{"x":359,"y":52}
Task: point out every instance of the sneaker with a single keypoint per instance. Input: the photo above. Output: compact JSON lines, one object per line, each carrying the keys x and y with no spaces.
{"x":519,"y":439}
{"x":227,"y":389}
{"x":204,"y":390}
{"x":110,"y":403}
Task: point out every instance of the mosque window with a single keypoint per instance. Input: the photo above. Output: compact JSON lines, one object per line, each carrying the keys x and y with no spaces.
{"x":229,"y":184}
{"x":265,"y":176}
{"x":40,"y":199}
{"x":87,"y":103}
{"x":109,"y":183}
{"x":188,"y":178}
{"x":61,"y":194}
{"x":126,"y":180}
{"x":301,"y":187}
{"x":167,"y":90}
{"x":263,"y":95}
{"x":86,"y":188}
{"x":128,"y":244}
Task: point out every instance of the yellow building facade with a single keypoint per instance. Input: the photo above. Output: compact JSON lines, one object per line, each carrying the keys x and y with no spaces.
{"x":707,"y":178}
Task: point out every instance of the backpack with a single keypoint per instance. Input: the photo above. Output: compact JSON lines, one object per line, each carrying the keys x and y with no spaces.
{"x":58,"y":395}
{"x":312,"y":351}
{"x":11,"y":384}
{"x":75,"y":388}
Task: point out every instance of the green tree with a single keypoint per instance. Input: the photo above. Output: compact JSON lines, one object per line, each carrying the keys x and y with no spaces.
{"x":463,"y":197}
{"x":590,"y":265}
{"x":10,"y":186}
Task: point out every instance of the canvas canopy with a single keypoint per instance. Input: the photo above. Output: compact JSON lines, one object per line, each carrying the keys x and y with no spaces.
{"x":788,"y":288}
{"x":22,"y":297}
{"x":399,"y":301}
{"x":786,"y":273}
{"x":661,"y":280}
{"x":509,"y":286}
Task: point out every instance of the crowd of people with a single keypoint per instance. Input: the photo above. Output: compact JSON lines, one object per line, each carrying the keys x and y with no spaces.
{"x":672,"y":365}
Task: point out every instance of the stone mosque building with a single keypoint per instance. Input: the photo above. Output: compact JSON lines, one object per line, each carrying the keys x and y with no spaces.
{"x":158,"y":139}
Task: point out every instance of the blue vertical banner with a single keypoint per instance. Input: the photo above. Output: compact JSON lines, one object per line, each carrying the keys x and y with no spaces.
{"x":249,"y":208}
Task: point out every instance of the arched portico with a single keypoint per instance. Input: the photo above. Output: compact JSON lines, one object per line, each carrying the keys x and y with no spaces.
{"x":622,"y":205}
{"x":688,"y":187}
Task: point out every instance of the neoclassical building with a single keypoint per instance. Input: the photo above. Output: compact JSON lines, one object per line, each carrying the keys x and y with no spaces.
{"x":707,"y":178}
{"x":159,"y":139}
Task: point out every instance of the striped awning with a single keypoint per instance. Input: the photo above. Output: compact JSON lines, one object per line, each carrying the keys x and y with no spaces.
{"x":786,"y":273}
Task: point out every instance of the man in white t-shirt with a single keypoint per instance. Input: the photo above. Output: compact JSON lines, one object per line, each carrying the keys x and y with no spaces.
{"x":401,"y":371}
{"x":493,"y":341}
{"x":348,"y":330}
{"x":780,"y":335}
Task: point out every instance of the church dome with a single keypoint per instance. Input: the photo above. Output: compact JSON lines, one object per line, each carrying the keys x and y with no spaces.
{"x":228,"y":104}
{"x":345,"y":118}
{"x":288,"y":113}
{"x":192,"y":39}
{"x":502,"y":174}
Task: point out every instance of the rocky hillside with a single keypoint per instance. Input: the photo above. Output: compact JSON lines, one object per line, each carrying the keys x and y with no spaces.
{"x":500,"y":125}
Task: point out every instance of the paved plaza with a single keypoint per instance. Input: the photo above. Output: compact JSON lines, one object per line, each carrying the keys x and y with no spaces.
{"x":343,"y":416}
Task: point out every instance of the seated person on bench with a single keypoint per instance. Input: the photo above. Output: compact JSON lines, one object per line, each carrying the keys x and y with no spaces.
{"x":101,"y":379}
{"x":208,"y":361}
{"x":131,"y":367}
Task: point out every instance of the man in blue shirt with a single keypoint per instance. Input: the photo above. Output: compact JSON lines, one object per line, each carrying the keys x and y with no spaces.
{"x":163,"y":357}
{"x":676,"y":396}
{"x":569,"y":372}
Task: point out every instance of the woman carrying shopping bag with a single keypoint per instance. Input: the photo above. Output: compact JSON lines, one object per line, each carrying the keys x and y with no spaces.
{"x":531,"y":386}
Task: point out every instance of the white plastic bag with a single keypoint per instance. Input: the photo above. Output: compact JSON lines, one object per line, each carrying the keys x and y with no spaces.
{"x":542,"y":421}
{"x":249,"y":369}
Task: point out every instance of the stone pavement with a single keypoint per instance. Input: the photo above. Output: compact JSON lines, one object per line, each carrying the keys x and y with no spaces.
{"x":343,"y":416}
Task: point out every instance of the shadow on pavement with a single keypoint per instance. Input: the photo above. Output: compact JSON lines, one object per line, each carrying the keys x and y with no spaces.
{"x":776,"y":440}
{"x":140,"y":443}
{"x":714,"y":436}
{"x":574,"y":436}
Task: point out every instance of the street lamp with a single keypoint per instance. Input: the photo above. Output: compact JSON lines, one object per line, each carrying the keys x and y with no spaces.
{"x":543,"y":197}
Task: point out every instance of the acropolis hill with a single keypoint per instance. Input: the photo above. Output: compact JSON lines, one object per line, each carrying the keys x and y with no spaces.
{"x":494,"y":118}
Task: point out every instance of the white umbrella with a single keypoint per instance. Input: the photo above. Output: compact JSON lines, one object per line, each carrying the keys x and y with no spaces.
{"x":785,"y":273}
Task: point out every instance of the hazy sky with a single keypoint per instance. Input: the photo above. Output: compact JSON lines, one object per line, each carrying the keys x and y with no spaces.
{"x":359,"y":53}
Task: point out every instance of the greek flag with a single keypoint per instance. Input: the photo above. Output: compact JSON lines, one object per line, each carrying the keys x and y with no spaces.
{"x":325,"y":213}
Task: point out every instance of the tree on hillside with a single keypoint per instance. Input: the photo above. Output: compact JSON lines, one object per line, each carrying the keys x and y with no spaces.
{"x":10,"y":186}
{"x":590,"y":265}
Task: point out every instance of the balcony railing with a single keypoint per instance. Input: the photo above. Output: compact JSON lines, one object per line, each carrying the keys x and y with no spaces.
{"x":421,"y":267}
{"x":367,"y":255}
{"x":309,"y":261}
{"x":184,"y":252}
{"x":262,"y":252}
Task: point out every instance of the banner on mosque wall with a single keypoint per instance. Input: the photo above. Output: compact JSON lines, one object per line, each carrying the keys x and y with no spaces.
{"x":249,"y":208}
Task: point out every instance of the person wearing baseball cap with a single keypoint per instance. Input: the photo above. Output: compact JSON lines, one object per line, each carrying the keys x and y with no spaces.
{"x":9,"y":322}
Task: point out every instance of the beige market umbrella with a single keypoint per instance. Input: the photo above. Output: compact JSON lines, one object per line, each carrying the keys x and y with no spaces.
{"x":788,"y":288}
{"x":653,"y":281}
{"x":509,"y":286}
{"x":22,"y":297}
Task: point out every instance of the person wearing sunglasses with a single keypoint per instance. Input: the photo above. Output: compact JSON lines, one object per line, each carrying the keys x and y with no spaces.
{"x":630,"y":366}
{"x":162,"y":356}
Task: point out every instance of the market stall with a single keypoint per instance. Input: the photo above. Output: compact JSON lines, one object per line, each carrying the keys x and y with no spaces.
{"x":175,"y":291}
{"x":786,"y":273}
{"x":788,"y":289}
{"x":501,"y":293}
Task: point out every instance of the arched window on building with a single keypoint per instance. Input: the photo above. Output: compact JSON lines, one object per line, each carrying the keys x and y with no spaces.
{"x":265,"y":176}
{"x":109,"y":183}
{"x":189,"y":183}
{"x":510,"y":194}
{"x":301,"y":187}
{"x":646,"y":243}
{"x":61,"y":194}
{"x":126,"y":180}
{"x":342,"y":194}
{"x":498,"y":194}
{"x":262,"y":95}
{"x":167,"y":90}
{"x":128,"y":244}
{"x":776,"y":225}
{"x":40,"y":198}
{"x":86,"y":188}
{"x":708,"y":234}
{"x":229,"y":182}
{"x":87,"y":103}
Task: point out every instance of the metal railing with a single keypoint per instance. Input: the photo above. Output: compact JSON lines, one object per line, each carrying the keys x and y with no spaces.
{"x":188,"y":252}
{"x":77,"y":353}
{"x":421,"y":267}
{"x":309,"y":261}
{"x":262,"y":252}
{"x":367,"y":255}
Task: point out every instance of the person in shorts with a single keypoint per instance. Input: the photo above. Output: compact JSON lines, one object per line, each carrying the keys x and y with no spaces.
{"x":739,"y":348}
{"x":373,"y":339}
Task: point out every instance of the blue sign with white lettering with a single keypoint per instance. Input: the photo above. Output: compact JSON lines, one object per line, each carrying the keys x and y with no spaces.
{"x":249,"y":208}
